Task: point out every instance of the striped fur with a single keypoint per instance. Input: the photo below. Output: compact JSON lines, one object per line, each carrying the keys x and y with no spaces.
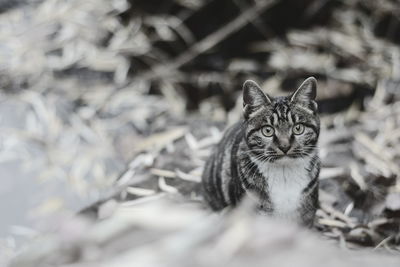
{"x":279,"y":171}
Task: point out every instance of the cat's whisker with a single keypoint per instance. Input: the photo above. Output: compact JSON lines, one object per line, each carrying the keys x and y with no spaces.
{"x":252,"y":150}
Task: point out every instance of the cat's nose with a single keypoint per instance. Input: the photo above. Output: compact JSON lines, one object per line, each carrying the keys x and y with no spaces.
{"x":284,"y":148}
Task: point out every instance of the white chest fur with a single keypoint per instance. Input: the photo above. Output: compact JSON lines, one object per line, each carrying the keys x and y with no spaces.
{"x":286,"y":180}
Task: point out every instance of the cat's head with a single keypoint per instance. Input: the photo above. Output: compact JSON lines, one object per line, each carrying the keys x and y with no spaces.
{"x":280,"y":128}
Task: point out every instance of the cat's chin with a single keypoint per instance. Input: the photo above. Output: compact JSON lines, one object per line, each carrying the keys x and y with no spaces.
{"x":284,"y":159}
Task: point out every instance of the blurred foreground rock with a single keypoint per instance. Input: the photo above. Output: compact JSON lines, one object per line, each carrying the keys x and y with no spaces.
{"x":164,"y":232}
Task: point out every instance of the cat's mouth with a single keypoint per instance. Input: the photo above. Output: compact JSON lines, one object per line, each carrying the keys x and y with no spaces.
{"x":287,"y":155}
{"x":283,"y":157}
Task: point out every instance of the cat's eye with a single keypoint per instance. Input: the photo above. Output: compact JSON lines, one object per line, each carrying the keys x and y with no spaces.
{"x":298,"y":129}
{"x":267,"y":131}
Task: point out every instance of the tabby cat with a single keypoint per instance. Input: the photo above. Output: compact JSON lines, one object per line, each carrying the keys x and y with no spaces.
{"x":270,"y":156}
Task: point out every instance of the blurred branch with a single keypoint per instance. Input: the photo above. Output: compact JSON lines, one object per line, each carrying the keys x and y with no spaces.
{"x":164,"y":70}
{"x":258,"y":24}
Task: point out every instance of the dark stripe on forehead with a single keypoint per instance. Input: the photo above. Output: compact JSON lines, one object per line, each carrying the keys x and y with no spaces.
{"x":281,"y":113}
{"x":284,"y":112}
{"x":288,"y":114}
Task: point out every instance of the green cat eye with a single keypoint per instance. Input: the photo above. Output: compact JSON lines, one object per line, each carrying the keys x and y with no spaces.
{"x":267,"y":131}
{"x":298,"y":129}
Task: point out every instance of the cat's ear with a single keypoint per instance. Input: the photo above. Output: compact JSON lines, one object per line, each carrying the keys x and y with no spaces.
{"x":253,"y":97}
{"x":306,"y":92}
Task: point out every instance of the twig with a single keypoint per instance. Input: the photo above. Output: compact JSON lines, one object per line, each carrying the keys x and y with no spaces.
{"x":164,"y":70}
